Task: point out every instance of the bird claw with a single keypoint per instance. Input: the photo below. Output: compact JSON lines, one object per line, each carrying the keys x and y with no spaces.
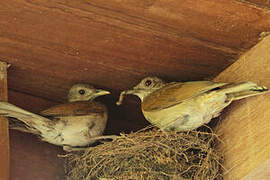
{"x":112,"y":137}
{"x":70,"y":148}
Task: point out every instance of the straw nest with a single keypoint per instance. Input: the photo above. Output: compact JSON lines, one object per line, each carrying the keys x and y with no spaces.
{"x":149,"y":154}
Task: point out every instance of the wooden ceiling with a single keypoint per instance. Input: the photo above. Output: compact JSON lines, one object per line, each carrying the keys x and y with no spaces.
{"x":113,"y":44}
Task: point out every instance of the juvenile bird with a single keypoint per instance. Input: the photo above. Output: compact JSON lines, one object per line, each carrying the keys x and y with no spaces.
{"x":72,"y":125}
{"x":185,"y":106}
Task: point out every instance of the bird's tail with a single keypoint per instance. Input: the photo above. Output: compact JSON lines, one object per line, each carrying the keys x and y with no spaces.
{"x":243,"y":90}
{"x":20,"y":126}
{"x":33,"y":123}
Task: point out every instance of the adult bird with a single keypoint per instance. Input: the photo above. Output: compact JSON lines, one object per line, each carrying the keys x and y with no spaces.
{"x":73,"y":125}
{"x":185,"y":106}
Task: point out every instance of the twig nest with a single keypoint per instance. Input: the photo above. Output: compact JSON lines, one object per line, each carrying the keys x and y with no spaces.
{"x":149,"y":154}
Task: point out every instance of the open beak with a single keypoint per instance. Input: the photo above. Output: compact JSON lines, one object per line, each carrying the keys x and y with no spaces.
{"x":123,"y":93}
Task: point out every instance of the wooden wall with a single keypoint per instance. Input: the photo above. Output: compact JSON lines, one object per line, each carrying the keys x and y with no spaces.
{"x":245,"y":126}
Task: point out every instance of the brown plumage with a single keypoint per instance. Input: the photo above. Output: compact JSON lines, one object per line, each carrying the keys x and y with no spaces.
{"x":187,"y":105}
{"x":71,"y":125}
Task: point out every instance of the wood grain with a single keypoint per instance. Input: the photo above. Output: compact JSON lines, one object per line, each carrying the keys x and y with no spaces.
{"x":262,"y":172}
{"x":4,"y":133}
{"x":113,"y":44}
{"x":245,"y":126}
{"x":259,"y":3}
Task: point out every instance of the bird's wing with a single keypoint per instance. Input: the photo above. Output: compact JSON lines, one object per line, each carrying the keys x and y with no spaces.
{"x":33,"y":121}
{"x":175,"y":93}
{"x":75,"y":109}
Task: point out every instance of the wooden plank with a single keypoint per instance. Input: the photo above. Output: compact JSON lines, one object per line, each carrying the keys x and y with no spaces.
{"x":28,"y":102}
{"x":262,"y":172}
{"x":259,"y":3}
{"x":4,"y":133}
{"x":32,"y":159}
{"x":113,"y":44}
{"x":245,"y":125}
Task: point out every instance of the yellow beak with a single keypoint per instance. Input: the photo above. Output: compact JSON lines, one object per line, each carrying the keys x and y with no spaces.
{"x":100,"y":92}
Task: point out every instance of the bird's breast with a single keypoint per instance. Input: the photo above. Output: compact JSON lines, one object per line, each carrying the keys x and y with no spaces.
{"x":189,"y":114}
{"x":78,"y":130}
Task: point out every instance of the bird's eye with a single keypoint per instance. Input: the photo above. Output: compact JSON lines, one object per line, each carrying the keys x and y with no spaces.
{"x":148,"y":83}
{"x":82,"y":92}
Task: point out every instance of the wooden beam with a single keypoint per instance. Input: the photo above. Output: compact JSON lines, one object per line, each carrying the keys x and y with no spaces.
{"x":4,"y":133}
{"x":113,"y":44}
{"x":245,"y":126}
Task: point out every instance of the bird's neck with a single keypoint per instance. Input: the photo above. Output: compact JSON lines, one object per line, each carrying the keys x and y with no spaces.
{"x":143,"y":94}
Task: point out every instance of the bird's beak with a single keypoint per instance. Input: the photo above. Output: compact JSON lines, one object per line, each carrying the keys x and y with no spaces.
{"x":101,"y":92}
{"x":123,"y":93}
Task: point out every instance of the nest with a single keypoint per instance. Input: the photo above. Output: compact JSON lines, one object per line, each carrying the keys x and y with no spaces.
{"x":149,"y":154}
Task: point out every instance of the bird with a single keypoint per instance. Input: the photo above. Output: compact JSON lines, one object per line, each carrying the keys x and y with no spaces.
{"x":72,"y":125}
{"x":185,"y":106}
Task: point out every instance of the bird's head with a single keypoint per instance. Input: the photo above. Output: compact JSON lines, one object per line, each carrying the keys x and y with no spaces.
{"x":144,"y":88}
{"x":84,"y":92}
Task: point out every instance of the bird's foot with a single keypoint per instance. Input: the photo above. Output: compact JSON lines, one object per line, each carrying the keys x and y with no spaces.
{"x":112,"y":137}
{"x":70,"y":148}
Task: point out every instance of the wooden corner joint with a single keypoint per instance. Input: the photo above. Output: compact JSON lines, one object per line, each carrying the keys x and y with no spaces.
{"x":4,"y":125}
{"x":3,"y":81}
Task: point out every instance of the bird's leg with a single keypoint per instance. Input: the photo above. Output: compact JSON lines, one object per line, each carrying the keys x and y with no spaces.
{"x":70,"y":148}
{"x":104,"y":137}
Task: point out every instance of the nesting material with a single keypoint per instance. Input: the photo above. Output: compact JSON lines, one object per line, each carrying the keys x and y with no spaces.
{"x":149,"y":154}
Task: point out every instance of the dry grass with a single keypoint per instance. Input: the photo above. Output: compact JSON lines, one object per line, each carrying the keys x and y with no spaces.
{"x":149,"y":154}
